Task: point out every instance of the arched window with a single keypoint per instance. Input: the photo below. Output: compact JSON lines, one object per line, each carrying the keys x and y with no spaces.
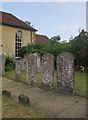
{"x":18,"y":43}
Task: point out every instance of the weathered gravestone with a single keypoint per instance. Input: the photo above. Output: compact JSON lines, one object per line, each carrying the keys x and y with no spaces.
{"x":31,"y":67}
{"x":18,"y":70}
{"x":2,"y":64}
{"x":65,"y":72}
{"x":47,"y":70}
{"x":22,"y":60}
{"x":38,"y":56}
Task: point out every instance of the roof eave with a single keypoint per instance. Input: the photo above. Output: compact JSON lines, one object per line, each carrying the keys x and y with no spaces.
{"x":18,"y":27}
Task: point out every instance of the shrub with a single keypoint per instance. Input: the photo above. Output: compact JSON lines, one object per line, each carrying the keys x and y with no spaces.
{"x":9,"y":63}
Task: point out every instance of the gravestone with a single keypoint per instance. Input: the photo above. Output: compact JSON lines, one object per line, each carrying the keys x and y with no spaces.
{"x":65,"y":72}
{"x":22,"y":60}
{"x":18,"y":70}
{"x":38,"y":56}
{"x":47,"y":70}
{"x":31,"y":67}
{"x":2,"y":64}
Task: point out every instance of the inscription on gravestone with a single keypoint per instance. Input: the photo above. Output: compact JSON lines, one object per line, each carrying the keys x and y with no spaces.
{"x":47,"y":69}
{"x":31,"y":67}
{"x":65,"y":72}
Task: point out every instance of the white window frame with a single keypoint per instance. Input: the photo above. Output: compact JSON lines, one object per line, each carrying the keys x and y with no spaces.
{"x":18,"y":43}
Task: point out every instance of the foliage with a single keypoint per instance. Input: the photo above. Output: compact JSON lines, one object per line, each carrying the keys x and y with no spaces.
{"x":77,"y":46}
{"x":9,"y":63}
{"x":31,"y":49}
{"x":54,"y":40}
{"x":44,"y":48}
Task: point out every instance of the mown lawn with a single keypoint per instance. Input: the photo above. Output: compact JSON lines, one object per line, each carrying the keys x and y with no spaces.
{"x":80,"y":81}
{"x":13,"y":109}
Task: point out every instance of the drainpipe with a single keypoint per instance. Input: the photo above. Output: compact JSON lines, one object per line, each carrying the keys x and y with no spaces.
{"x":31,"y":38}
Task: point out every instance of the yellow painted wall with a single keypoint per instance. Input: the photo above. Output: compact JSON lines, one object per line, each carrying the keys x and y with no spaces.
{"x":33,"y":37}
{"x":8,"y":39}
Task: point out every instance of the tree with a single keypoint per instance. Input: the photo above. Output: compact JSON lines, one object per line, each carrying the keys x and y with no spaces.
{"x":54,"y":40}
{"x":78,"y":48}
{"x":71,"y":38}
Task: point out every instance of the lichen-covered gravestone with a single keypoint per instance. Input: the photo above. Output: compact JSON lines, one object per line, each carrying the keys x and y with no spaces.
{"x":65,"y":72}
{"x":22,"y":60}
{"x":18,"y":70}
{"x":2,"y":64}
{"x":38,"y":56}
{"x":31,"y":67}
{"x":47,"y":70}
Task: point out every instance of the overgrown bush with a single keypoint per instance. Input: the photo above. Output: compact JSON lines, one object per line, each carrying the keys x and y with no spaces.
{"x":77,"y":46}
{"x":28,"y":49}
{"x":9,"y":63}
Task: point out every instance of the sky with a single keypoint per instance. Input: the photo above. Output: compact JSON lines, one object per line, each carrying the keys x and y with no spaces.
{"x":51,"y":18}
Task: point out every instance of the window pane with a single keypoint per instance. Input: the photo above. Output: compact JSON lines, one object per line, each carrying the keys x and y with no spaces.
{"x":18,"y":43}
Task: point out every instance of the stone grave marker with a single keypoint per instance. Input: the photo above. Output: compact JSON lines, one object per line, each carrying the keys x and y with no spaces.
{"x":31,"y":68}
{"x":38,"y":56}
{"x":18,"y":70}
{"x":22,"y":60}
{"x":47,"y":70}
{"x":65,"y":72}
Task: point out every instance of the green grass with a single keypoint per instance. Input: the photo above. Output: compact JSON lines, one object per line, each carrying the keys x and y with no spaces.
{"x":80,"y":81}
{"x":10,"y":75}
{"x":13,"y":109}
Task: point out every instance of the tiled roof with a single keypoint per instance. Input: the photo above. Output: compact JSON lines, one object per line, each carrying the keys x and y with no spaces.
{"x":11,"y":20}
{"x":41,"y":39}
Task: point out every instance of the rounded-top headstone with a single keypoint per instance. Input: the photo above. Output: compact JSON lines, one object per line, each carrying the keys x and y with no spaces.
{"x":31,"y":68}
{"x":65,"y":72}
{"x":47,"y":69}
